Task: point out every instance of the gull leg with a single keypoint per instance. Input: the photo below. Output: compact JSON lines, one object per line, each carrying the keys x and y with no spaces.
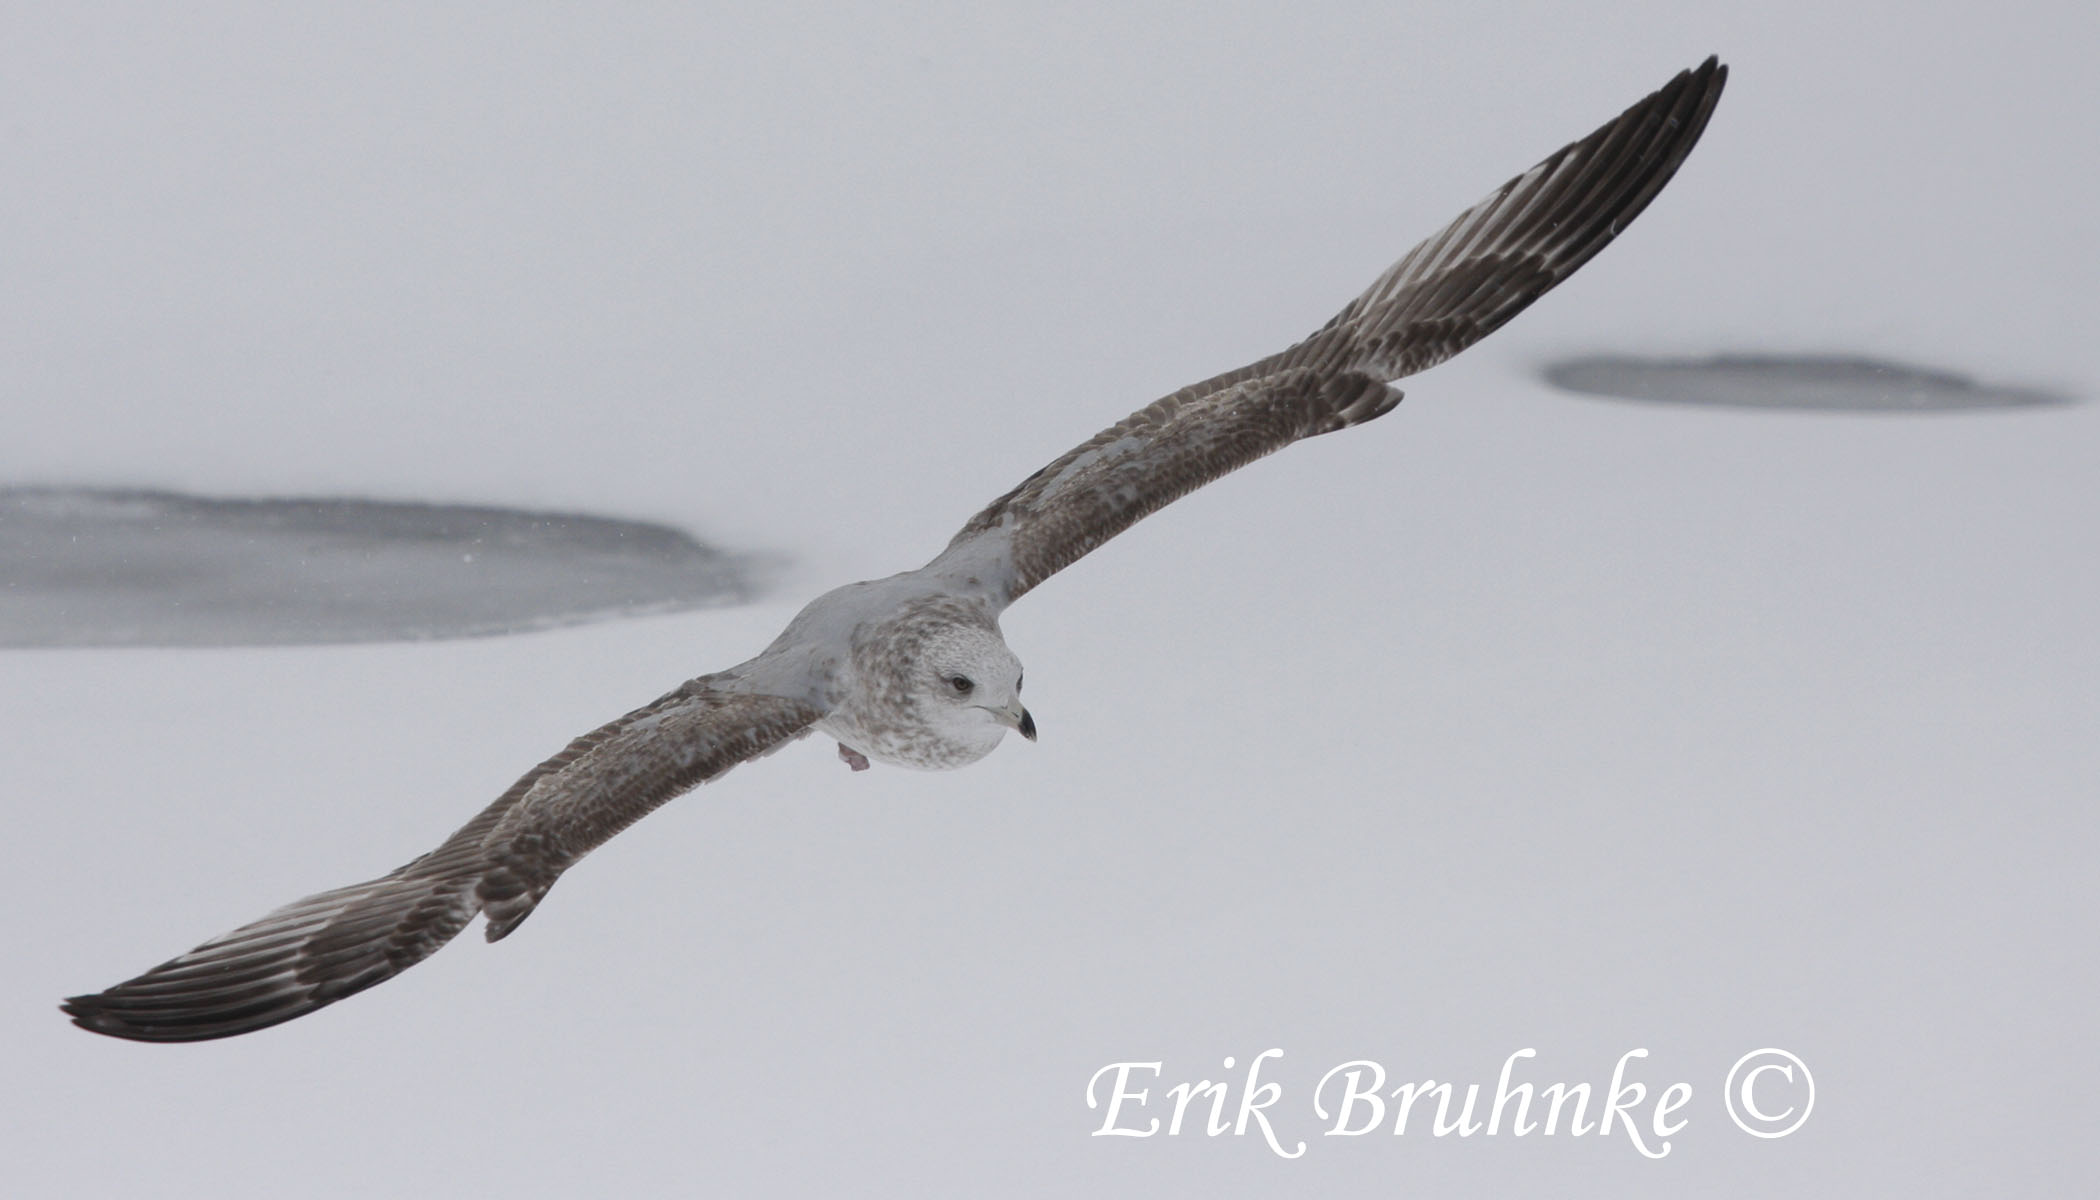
{"x":852,"y":758}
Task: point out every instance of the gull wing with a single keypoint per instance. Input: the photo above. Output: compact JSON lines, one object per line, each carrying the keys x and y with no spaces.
{"x":316,"y":951}
{"x":1453,"y":289}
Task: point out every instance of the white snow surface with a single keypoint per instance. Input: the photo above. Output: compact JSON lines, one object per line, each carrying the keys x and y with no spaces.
{"x":1514,"y":719}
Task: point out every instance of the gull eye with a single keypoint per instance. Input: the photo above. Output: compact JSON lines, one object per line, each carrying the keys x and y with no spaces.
{"x":961,"y":684}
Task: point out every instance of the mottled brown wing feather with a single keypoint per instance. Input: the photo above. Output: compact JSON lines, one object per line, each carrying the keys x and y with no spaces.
{"x":318,"y":950}
{"x":1450,"y":291}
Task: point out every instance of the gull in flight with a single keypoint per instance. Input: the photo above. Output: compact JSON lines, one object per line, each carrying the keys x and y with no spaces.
{"x":912,"y":670}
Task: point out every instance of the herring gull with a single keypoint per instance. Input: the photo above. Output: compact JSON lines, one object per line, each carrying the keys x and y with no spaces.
{"x":911,"y":670}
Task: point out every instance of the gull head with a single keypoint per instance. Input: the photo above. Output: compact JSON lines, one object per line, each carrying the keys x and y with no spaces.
{"x":932,"y":686}
{"x":970,"y":685}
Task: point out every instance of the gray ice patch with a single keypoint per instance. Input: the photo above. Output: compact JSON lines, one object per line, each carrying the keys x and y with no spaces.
{"x":1827,"y":383}
{"x":97,"y":567}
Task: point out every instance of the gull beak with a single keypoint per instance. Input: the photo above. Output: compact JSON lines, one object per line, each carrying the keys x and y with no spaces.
{"x":1016,"y":717}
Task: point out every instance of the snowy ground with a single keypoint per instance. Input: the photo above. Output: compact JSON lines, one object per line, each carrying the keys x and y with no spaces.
{"x":1515,"y":719}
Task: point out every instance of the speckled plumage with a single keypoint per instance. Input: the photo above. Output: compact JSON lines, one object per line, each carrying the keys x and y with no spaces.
{"x":883,"y":712}
{"x":911,"y":670}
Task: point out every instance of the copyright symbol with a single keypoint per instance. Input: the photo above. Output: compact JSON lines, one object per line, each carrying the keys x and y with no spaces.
{"x":1769,"y":1093}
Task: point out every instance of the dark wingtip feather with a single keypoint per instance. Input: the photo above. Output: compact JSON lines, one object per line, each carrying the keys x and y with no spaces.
{"x":303,"y":956}
{"x":104,"y":1013}
{"x":1521,"y":241}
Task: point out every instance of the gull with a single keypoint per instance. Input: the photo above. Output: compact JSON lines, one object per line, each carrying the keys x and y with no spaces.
{"x":912,"y":670}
